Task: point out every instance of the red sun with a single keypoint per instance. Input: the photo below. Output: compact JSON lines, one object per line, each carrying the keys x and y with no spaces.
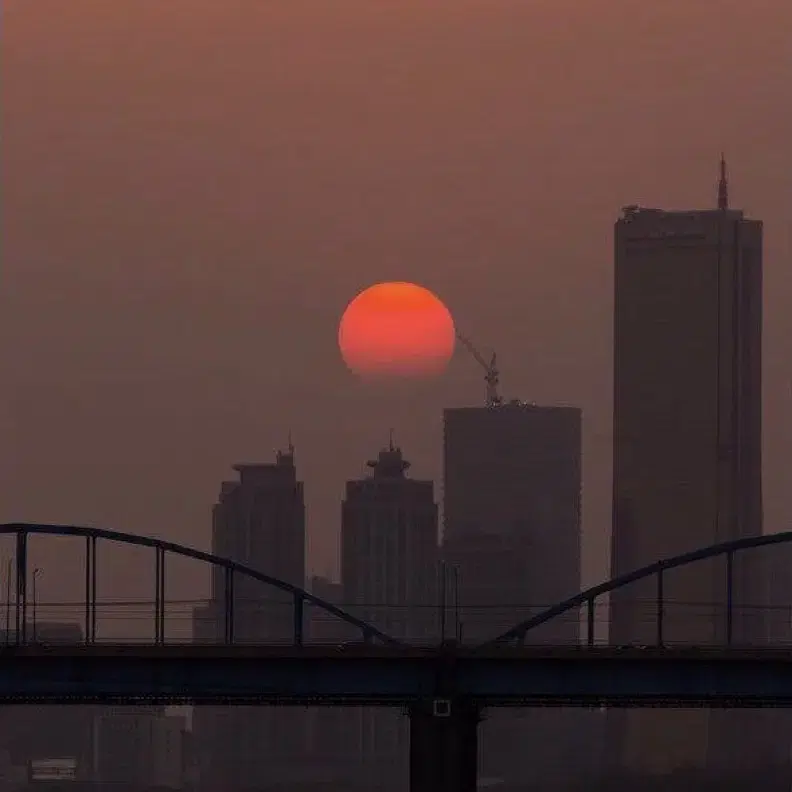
{"x":396,"y":329}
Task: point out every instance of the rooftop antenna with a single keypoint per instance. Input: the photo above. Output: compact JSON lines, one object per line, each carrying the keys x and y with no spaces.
{"x":390,"y":440}
{"x":289,"y":448}
{"x":723,"y":185}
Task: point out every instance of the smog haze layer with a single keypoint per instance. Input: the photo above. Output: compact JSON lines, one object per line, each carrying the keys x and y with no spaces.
{"x":192,"y":190}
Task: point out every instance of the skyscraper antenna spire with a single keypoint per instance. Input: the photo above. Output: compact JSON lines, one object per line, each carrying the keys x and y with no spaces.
{"x":723,"y":185}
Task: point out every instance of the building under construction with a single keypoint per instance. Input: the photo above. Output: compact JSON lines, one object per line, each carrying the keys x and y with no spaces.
{"x":516,"y":471}
{"x":512,"y":525}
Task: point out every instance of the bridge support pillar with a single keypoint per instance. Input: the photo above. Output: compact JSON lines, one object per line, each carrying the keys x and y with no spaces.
{"x":444,"y":746}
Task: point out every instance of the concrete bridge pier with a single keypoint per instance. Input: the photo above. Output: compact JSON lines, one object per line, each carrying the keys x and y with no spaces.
{"x":444,"y":746}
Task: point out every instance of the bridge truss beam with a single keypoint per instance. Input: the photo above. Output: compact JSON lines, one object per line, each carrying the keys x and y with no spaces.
{"x":588,"y":599}
{"x":232,"y":571}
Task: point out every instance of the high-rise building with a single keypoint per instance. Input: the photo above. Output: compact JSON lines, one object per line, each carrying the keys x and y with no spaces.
{"x":687,"y":437}
{"x":389,"y":550}
{"x":259,"y":521}
{"x":514,"y":471}
{"x":389,"y":567}
{"x":486,"y":581}
{"x":512,"y":533}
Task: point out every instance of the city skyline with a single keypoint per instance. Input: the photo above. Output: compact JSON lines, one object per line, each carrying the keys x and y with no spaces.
{"x":512,"y":228}
{"x":194,"y":192}
{"x":396,"y":386}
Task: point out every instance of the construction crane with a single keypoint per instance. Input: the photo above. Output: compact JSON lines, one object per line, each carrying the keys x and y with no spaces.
{"x":491,"y":376}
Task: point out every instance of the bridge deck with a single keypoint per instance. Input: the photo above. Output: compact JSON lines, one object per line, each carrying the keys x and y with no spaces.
{"x":531,"y":676}
{"x":374,"y":651}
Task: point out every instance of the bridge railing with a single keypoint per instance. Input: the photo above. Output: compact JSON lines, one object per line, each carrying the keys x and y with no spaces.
{"x":286,"y":613}
{"x":133,"y":621}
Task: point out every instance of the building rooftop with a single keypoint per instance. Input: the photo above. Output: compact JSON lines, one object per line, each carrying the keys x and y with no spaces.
{"x":634,"y":211}
{"x":261,"y":472}
{"x":390,"y":463}
{"x":515,"y":405}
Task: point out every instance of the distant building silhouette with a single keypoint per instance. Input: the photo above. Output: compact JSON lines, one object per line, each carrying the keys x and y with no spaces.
{"x":512,"y":532}
{"x":687,"y":443}
{"x":389,"y":555}
{"x":389,"y":550}
{"x":259,"y":520}
{"x":324,"y":628}
{"x":514,"y":471}
{"x":486,"y":579}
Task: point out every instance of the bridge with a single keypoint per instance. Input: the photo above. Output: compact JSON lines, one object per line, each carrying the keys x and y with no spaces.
{"x":444,"y":688}
{"x":393,"y":676}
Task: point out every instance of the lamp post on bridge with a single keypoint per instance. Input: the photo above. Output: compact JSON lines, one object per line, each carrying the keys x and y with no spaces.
{"x":457,"y":621}
{"x":9,"y":569}
{"x":36,"y":572}
{"x":443,"y":570}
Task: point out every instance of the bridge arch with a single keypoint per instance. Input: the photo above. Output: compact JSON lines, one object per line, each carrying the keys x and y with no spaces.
{"x":161,"y":547}
{"x":589,"y":596}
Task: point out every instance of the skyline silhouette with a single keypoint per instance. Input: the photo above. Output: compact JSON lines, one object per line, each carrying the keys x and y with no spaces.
{"x":180,"y":233}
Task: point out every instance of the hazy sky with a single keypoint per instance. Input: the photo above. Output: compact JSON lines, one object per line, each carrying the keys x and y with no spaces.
{"x":193,"y":189}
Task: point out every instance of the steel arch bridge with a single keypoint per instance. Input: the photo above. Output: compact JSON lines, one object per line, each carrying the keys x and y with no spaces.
{"x":300,"y":597}
{"x":232,"y":571}
{"x":588,"y":598}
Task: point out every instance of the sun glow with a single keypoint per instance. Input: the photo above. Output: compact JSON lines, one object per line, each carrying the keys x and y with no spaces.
{"x":396,"y":329}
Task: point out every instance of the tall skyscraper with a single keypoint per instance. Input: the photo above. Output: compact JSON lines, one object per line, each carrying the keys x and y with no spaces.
{"x":512,"y":531}
{"x":258,"y":520}
{"x":389,"y":567}
{"x":687,"y":434}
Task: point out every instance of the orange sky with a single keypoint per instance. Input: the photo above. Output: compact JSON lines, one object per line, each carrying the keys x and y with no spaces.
{"x":192,"y":191}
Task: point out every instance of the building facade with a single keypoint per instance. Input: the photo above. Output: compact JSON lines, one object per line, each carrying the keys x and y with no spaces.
{"x":259,"y":521}
{"x":389,"y":568}
{"x":687,"y":442}
{"x":511,"y":547}
{"x":389,"y":550}
{"x":514,"y":472}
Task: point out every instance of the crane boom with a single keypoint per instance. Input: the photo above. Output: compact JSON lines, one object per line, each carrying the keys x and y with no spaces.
{"x":491,"y":375}
{"x":473,"y":351}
